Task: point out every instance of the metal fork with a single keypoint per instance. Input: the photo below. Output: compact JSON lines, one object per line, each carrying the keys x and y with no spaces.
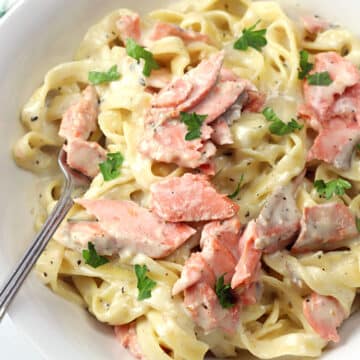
{"x":73,"y":181}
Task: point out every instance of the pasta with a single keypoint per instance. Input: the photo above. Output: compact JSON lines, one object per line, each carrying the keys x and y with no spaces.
{"x":273,"y":326}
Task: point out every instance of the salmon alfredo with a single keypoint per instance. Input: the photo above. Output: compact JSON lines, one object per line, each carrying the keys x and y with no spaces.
{"x":222,"y":141}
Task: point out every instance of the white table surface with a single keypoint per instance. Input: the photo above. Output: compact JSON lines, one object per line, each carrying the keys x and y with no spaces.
{"x":13,"y":344}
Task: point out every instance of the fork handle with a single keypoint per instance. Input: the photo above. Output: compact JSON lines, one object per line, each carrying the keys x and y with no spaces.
{"x":23,"y":268}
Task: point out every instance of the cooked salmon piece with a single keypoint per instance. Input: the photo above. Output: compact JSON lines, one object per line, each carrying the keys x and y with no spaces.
{"x":162,"y":30}
{"x":335,"y":144}
{"x":319,"y":99}
{"x":219,"y":244}
{"x":225,"y":231}
{"x":77,"y":234}
{"x":313,"y":24}
{"x":129,"y":27}
{"x":80,"y":119}
{"x":173,"y":94}
{"x":195,"y":270}
{"x":136,"y":228}
{"x":221,"y":134}
{"x":127,"y":336}
{"x":84,"y":156}
{"x":255,"y":101}
{"x":278,"y":221}
{"x":324,"y":227}
{"x":325,"y":315}
{"x":206,"y":311}
{"x":220,"y":99}
{"x":217,"y":252}
{"x":248,"y":266}
{"x":190,"y":198}
{"x":167,"y":143}
{"x":347,"y":106}
{"x":201,"y":79}
{"x":159,"y":78}
{"x":251,"y":294}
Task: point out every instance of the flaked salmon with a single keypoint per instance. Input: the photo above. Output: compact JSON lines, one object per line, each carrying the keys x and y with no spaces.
{"x":84,"y":156}
{"x":320,"y":99}
{"x":80,"y":119}
{"x":221,"y":134}
{"x":314,"y":24}
{"x":249,"y":265}
{"x":129,"y":27}
{"x":190,"y":198}
{"x":162,"y":30}
{"x":325,"y":315}
{"x":77,"y":234}
{"x":127,"y":336}
{"x":136,"y":228}
{"x":167,"y":143}
{"x":324,"y":227}
{"x":335,"y":144}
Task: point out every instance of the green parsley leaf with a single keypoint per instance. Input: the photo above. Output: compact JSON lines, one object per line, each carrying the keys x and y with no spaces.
{"x":193,"y":122}
{"x":320,"y":79}
{"x":110,"y":168}
{"x":237,"y":190}
{"x":138,"y":52}
{"x":2,"y":12}
{"x":305,"y":65}
{"x":358,"y":147}
{"x":251,"y":38}
{"x":92,"y":258}
{"x":144,"y":283}
{"x":224,"y":294}
{"x":357,"y":220}
{"x":97,"y":77}
{"x":327,"y":190}
{"x":277,"y":126}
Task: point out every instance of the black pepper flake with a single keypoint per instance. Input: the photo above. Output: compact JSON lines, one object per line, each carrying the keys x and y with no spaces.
{"x":307,"y":300}
{"x":204,"y":306}
{"x":123,"y":290}
{"x":323,"y":269}
{"x":79,"y":262}
{"x":319,"y":257}
{"x":45,"y":274}
{"x":166,"y":274}
{"x":34,"y":118}
{"x":247,"y":214}
{"x":51,"y":262}
{"x":37,"y":162}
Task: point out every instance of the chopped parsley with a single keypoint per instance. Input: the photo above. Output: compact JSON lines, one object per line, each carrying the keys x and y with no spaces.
{"x":144,"y":283}
{"x":320,"y":79}
{"x":305,"y":65}
{"x":2,"y":12}
{"x":327,"y":190}
{"x":92,"y":258}
{"x":193,"y":122}
{"x":224,"y":294}
{"x":138,"y":52}
{"x":277,"y":126}
{"x":98,"y":77}
{"x":110,"y":168}
{"x":251,"y":38}
{"x":237,"y":190}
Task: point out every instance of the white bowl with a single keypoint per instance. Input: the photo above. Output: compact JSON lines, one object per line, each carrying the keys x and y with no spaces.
{"x":35,"y":36}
